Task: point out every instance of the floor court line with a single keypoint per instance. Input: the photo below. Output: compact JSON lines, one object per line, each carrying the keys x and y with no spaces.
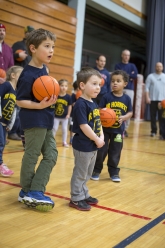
{"x":97,"y":206}
{"x":140,"y":232}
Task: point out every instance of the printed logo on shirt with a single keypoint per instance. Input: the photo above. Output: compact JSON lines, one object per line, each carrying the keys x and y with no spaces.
{"x":118,"y":138}
{"x":117,"y":107}
{"x":8,"y":109}
{"x":59,"y":110}
{"x":163,"y":113}
{"x":95,"y":117}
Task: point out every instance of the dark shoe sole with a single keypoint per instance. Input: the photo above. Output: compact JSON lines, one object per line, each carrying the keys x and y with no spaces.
{"x":78,"y":208}
{"x":92,"y":203}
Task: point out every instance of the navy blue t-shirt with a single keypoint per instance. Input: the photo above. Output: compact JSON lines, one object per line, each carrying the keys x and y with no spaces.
{"x":61,"y":106}
{"x":85,"y":112}
{"x":106,"y":75}
{"x":8,"y":100}
{"x":73,"y":98}
{"x":30,"y":118}
{"x":121,"y":106}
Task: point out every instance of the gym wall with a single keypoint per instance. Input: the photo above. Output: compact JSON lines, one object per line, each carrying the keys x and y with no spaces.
{"x":48,"y":14}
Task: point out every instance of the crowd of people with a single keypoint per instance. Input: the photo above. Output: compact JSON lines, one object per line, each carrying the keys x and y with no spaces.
{"x":38,"y":121}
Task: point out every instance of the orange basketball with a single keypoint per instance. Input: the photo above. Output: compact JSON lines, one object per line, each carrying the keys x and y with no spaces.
{"x":19,"y":51}
{"x":78,"y":94}
{"x":163,"y":104}
{"x":2,"y":73}
{"x":102,"y":82}
{"x":45,"y":86}
{"x":107,"y":117}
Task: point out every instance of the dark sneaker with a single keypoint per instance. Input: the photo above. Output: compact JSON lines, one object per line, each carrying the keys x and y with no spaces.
{"x":14,"y":136}
{"x":80,"y":205}
{"x":91,"y":201}
{"x":161,"y":137}
{"x":95,"y":176}
{"x":115,"y":178}
{"x":37,"y":200}
{"x":125,"y":134}
{"x":21,"y":196}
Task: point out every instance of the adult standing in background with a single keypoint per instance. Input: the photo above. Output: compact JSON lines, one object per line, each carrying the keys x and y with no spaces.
{"x":100,"y":64}
{"x":6,"y":54}
{"x":155,"y":92}
{"x":22,"y":58}
{"x":132,"y":71}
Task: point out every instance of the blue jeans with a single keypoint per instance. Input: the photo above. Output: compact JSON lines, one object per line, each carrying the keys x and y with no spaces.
{"x":2,"y":141}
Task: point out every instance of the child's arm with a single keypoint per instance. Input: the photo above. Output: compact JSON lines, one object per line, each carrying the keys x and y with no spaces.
{"x":13,"y":117}
{"x":125,"y":117}
{"x":86,"y":129}
{"x":101,"y":134}
{"x":69,"y":111}
{"x":37,"y":105}
{"x":159,"y":105}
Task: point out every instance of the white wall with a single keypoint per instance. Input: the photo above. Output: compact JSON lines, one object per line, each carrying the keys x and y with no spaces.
{"x":116,"y":11}
{"x":139,"y":5}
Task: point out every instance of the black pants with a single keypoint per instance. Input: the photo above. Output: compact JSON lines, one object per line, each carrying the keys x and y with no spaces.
{"x":163,"y":123}
{"x":113,"y":147}
{"x":153,"y":112}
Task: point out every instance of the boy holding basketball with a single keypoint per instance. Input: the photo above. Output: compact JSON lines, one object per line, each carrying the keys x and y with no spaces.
{"x":87,"y":139}
{"x":37,"y":122}
{"x":113,"y":136}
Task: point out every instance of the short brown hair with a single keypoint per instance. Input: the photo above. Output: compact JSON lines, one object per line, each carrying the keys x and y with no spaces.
{"x":62,"y":80}
{"x":85,"y":74}
{"x":37,"y":36}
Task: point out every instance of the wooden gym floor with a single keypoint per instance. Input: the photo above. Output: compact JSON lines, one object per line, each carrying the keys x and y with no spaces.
{"x":129,"y":214}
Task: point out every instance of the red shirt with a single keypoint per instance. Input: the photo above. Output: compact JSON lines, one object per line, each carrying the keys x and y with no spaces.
{"x":6,"y":57}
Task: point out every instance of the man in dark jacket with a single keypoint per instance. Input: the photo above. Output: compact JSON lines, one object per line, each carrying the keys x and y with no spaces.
{"x":100,"y":64}
{"x":22,"y":58}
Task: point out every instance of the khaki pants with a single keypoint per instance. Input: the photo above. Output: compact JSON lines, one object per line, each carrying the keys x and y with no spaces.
{"x":84,"y":164}
{"x":37,"y":141}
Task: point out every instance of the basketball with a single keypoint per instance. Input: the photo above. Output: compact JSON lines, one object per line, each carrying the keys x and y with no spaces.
{"x":107,"y":117}
{"x":163,"y":104}
{"x":78,"y":94}
{"x":45,"y":86}
{"x":102,"y":82}
{"x":2,"y":73}
{"x":19,"y":51}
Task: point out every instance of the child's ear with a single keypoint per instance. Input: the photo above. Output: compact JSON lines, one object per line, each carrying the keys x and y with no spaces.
{"x":81,"y":85}
{"x":12,"y":75}
{"x":125,"y":84}
{"x":32,"y":48}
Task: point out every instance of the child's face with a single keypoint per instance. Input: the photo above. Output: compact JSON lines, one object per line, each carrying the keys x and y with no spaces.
{"x":117,"y":83}
{"x":63,"y":87}
{"x":92,"y":88}
{"x":44,"y":52}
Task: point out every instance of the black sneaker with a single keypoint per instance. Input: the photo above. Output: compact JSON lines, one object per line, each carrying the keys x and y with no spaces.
{"x":80,"y":205}
{"x":95,"y":176}
{"x":91,"y":201}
